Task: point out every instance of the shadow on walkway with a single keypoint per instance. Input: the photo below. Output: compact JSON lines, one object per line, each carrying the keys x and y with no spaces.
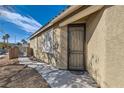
{"x":61,"y":78}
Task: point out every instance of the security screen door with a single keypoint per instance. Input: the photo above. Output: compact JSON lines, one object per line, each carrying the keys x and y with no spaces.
{"x":76,"y":47}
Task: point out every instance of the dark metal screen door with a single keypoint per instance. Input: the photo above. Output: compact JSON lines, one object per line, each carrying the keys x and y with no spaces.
{"x":76,"y":41}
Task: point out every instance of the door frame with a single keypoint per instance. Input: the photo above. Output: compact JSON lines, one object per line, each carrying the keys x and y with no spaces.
{"x":84,"y":44}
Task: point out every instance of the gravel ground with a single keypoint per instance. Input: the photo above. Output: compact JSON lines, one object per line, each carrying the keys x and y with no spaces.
{"x":24,"y":73}
{"x":61,"y":78}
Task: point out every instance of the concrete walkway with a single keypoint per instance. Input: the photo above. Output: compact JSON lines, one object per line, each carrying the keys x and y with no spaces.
{"x":1,"y":56}
{"x":60,"y":78}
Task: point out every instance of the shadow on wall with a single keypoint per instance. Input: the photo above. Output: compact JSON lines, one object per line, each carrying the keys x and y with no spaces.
{"x":95,"y":19}
{"x":51,"y":44}
{"x":94,"y":67}
{"x":94,"y":61}
{"x":59,"y":56}
{"x":53,"y":58}
{"x":64,"y":41}
{"x":97,"y":16}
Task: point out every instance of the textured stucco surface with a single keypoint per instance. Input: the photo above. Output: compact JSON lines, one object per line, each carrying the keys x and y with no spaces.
{"x":104,"y":46}
{"x":95,"y":39}
{"x":33,"y":45}
{"x":63,"y":48}
{"x":114,"y":63}
{"x":59,"y":56}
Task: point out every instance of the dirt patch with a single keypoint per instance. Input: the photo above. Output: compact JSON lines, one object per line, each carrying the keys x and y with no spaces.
{"x":4,"y":60}
{"x":14,"y":75}
{"x":27,"y":78}
{"x":20,"y":76}
{"x":9,"y":70}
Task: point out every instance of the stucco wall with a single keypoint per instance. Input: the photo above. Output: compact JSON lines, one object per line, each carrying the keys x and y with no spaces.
{"x":63,"y":44}
{"x":114,"y":70}
{"x":33,"y":45}
{"x":95,"y":38}
{"x":105,"y":46}
{"x":59,"y":56}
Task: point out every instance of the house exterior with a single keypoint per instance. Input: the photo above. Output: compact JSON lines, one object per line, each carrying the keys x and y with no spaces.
{"x":85,"y":37}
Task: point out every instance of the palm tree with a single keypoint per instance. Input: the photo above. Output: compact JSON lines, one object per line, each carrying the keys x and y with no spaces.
{"x":7,"y":37}
{"x":18,"y":43}
{"x":23,"y":41}
{"x":4,"y":39}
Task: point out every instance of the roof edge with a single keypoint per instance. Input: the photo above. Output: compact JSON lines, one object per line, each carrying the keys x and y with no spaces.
{"x":56,"y":19}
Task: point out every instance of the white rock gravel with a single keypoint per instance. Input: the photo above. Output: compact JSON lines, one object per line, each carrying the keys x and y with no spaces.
{"x":60,"y":78}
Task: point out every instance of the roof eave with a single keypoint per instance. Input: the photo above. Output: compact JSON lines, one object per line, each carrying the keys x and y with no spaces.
{"x":59,"y":17}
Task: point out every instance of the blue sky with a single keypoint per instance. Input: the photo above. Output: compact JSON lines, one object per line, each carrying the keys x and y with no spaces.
{"x":21,"y":21}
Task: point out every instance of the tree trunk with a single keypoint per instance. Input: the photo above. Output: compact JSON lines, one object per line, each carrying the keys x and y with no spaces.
{"x":4,"y":43}
{"x":7,"y":42}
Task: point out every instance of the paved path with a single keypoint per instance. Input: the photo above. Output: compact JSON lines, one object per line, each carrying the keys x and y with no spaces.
{"x":60,"y":78}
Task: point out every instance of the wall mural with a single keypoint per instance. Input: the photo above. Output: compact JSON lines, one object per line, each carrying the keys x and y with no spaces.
{"x":47,"y":44}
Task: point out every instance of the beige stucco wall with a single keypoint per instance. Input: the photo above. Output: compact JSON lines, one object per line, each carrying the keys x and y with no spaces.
{"x":105,"y":46}
{"x":95,"y":39}
{"x":33,"y":45}
{"x":63,"y":44}
{"x":59,"y":56}
{"x":114,"y":64}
